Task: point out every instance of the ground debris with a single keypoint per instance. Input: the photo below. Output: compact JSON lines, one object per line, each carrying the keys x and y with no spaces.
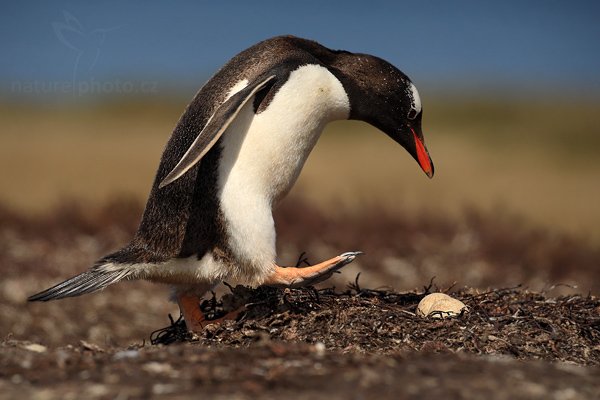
{"x":357,"y":342}
{"x":511,"y":321}
{"x":276,"y":369}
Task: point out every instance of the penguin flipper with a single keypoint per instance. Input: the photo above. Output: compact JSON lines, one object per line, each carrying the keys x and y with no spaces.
{"x":96,"y":278}
{"x":217,"y":124}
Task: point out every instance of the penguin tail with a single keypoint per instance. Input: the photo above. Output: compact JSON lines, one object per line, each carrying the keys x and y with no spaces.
{"x":96,"y":278}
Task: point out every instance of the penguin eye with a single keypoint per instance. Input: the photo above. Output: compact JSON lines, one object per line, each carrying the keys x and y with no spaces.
{"x":412,"y":114}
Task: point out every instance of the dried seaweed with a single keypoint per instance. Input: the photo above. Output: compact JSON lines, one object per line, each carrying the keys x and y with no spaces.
{"x":510,"y":321}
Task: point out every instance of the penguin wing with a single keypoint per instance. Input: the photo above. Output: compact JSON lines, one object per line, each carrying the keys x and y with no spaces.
{"x":217,"y":124}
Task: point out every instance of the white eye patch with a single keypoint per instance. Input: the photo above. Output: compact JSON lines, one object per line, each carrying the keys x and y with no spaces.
{"x":415,"y":102}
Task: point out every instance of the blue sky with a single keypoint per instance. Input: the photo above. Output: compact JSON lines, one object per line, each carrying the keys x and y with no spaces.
{"x":516,"y":46}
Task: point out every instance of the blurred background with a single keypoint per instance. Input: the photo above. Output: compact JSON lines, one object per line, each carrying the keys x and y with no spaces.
{"x":90,"y":93}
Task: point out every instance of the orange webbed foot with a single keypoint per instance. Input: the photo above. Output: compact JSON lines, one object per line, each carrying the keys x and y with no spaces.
{"x":195,"y":320}
{"x":295,"y":277}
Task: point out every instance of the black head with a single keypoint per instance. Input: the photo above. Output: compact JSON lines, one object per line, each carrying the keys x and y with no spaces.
{"x":381,"y":95}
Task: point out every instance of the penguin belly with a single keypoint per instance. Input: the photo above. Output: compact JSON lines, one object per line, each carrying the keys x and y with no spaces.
{"x":262,"y":156}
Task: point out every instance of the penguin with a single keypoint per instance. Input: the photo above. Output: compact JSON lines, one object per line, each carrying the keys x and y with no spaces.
{"x":236,"y":151}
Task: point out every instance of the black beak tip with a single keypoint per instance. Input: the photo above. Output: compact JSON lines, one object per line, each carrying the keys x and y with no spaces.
{"x":431,"y":171}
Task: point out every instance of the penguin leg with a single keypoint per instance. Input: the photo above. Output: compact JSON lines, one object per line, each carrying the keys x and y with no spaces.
{"x":295,"y":277}
{"x":189,"y":304}
{"x":195,"y":320}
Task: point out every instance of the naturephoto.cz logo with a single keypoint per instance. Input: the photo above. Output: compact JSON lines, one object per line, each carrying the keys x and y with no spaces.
{"x":86,"y":87}
{"x":86,"y":46}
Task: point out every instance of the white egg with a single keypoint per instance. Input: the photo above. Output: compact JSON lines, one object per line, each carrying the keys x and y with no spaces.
{"x":440,"y":305}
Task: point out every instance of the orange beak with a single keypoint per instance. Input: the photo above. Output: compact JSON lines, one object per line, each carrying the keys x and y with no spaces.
{"x":423,"y":156}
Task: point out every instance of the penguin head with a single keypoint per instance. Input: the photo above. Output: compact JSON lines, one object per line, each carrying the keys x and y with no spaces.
{"x":383,"y":96}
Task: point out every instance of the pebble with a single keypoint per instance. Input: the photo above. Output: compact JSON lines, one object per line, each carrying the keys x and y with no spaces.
{"x":154,"y":367}
{"x":36,"y":348}
{"x":320,"y":348}
{"x":125,"y":354}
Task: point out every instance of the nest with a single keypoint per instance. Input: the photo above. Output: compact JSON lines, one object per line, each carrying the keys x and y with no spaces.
{"x":510,"y":321}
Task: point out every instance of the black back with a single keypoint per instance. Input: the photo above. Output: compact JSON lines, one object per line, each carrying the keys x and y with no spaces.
{"x":184,"y":218}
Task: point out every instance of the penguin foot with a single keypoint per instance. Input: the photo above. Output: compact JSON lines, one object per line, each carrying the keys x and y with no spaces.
{"x":190,"y":308}
{"x":194,"y":318}
{"x":295,"y":277}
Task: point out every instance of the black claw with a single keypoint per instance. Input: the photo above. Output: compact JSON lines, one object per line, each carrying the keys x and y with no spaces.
{"x":302,"y":260}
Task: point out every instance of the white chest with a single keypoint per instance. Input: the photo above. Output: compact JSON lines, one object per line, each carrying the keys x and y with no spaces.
{"x":263,"y":154}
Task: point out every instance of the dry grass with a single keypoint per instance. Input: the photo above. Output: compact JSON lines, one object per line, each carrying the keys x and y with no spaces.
{"x":538,"y":159}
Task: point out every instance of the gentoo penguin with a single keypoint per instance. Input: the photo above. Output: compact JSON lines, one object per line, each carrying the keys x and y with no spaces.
{"x":236,"y":151}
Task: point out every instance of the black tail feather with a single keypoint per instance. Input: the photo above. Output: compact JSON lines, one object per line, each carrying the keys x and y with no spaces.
{"x":90,"y":281}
